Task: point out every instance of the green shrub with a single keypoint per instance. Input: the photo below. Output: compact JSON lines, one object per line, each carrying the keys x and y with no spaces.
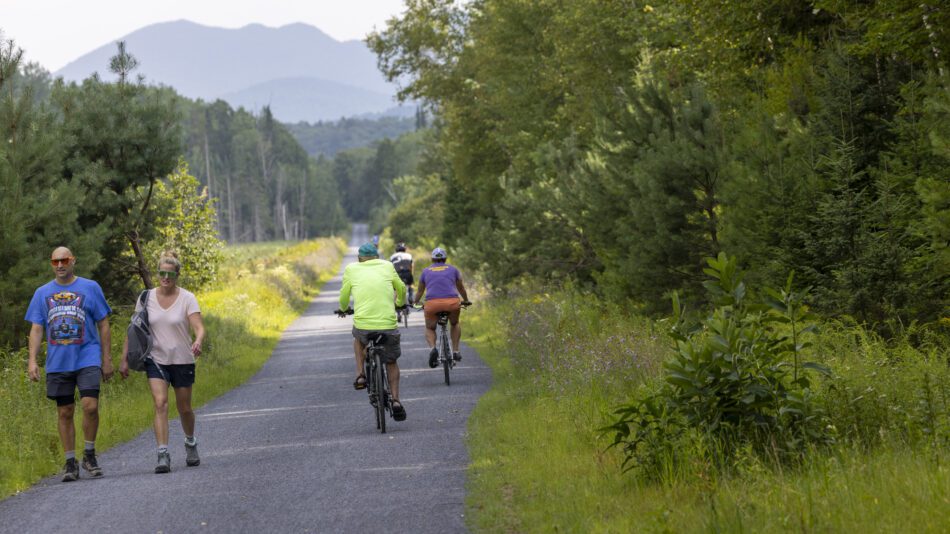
{"x":734,"y":382}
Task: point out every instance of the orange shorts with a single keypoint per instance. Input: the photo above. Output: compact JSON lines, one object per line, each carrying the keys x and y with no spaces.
{"x":434,"y":306}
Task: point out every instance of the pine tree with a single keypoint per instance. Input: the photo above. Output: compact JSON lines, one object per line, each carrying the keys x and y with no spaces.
{"x":653,"y":192}
{"x":122,"y":137}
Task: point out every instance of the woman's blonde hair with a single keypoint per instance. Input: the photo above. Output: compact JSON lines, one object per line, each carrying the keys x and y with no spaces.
{"x":170,"y":257}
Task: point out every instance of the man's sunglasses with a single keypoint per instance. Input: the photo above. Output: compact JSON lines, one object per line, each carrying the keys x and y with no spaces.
{"x":167,"y":274}
{"x":56,"y":262}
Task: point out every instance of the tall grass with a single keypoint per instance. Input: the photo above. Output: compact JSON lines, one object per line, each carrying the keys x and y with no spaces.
{"x":259,"y":292}
{"x":561,"y":363}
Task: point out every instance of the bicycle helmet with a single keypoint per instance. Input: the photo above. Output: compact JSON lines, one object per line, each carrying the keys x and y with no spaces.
{"x":368,"y":250}
{"x":400,"y":247}
{"x":439,"y":253}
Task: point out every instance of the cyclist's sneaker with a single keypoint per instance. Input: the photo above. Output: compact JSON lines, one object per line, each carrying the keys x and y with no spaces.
{"x":164,"y":463}
{"x":457,"y":356}
{"x":191,"y":455}
{"x":71,"y":470}
{"x":399,"y":413}
{"x":434,"y":357}
{"x":90,"y":464}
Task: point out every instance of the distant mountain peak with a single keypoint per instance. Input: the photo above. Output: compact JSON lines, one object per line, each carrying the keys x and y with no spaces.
{"x":210,"y":62}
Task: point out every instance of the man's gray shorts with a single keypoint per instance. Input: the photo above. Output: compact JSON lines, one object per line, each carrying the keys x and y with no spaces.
{"x":62,"y":386}
{"x":391,"y":351}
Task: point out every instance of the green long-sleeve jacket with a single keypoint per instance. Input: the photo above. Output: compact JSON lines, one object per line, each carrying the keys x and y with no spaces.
{"x":372,"y":284}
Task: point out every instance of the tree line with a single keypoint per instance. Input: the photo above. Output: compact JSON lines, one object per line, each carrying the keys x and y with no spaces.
{"x":327,"y":138}
{"x":614,"y":145}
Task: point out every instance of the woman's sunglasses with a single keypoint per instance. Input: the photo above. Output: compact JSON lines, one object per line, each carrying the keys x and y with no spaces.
{"x":167,"y":274}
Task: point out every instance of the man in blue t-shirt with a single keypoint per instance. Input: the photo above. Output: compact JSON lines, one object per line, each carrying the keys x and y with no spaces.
{"x":75,"y":317}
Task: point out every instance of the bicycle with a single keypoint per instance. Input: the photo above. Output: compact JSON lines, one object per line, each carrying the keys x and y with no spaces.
{"x":377,"y":381}
{"x":443,"y":344}
{"x":402,"y":314}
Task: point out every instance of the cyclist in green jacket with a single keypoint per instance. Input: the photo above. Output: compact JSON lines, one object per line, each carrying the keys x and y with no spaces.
{"x":372,"y":283}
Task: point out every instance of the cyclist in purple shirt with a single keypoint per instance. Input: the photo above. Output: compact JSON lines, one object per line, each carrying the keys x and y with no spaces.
{"x":441,"y":284}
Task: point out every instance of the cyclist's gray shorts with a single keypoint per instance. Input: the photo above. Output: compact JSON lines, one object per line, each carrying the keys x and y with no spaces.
{"x":391,"y":351}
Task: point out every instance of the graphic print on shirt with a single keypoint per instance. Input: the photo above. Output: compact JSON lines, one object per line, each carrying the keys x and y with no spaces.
{"x":66,"y":318}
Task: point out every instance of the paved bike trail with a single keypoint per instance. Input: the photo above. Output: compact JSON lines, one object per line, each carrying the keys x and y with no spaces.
{"x":295,"y":449}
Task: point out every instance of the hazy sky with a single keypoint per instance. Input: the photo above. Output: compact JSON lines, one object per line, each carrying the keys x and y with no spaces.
{"x":55,"y":32}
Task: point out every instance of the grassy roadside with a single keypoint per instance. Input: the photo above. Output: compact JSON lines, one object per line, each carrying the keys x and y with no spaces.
{"x":538,"y":465}
{"x":261,"y":290}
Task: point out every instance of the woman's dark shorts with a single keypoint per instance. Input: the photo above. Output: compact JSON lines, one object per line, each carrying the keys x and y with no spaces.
{"x":179,"y":376}
{"x":391,"y":350}
{"x":61,"y":387}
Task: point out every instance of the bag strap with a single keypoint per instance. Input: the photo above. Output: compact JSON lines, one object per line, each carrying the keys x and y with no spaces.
{"x":143,"y":300}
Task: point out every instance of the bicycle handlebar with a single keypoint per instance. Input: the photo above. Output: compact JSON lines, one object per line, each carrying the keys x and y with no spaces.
{"x":464,"y":304}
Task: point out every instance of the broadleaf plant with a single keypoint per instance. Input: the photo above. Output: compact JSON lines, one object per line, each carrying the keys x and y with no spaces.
{"x":737,"y":380}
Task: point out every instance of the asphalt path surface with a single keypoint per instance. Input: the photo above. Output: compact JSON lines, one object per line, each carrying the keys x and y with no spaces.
{"x":295,"y":449}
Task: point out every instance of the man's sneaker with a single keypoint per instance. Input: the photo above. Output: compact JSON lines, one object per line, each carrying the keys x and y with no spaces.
{"x":457,"y":356}
{"x":71,"y":470}
{"x":434,"y":357}
{"x":90,"y":464}
{"x":191,"y":454}
{"x":164,"y":463}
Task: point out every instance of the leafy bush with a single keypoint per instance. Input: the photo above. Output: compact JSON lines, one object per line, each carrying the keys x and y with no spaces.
{"x":185,"y":219}
{"x":735,"y":382}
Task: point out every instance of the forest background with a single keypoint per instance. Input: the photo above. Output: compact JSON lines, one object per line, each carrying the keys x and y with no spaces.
{"x":614,"y":145}
{"x":601,"y":151}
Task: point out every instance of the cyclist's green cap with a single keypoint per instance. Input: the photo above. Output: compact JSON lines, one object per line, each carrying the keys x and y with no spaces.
{"x":368,"y":250}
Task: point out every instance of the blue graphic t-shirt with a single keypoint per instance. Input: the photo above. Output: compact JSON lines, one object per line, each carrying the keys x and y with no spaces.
{"x":70,"y":314}
{"x":440,"y":279}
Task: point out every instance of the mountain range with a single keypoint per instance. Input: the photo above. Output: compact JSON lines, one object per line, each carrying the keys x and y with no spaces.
{"x":300,"y":71}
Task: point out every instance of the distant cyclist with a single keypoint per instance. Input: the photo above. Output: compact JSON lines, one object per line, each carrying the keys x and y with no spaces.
{"x":373,"y":283}
{"x":441,"y":284}
{"x":402,"y":261}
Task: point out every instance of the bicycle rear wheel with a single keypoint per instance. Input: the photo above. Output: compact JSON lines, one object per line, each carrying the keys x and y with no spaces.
{"x":380,"y":379}
{"x":446,"y":355}
{"x":371,"y":386}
